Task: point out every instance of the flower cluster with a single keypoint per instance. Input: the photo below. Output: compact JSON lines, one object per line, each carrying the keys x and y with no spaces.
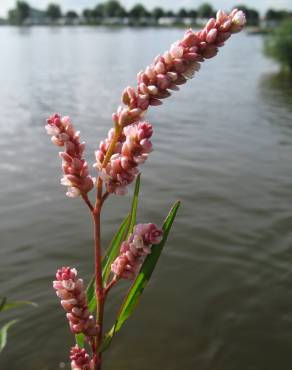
{"x":80,"y":359}
{"x":76,"y":175}
{"x":176,"y":65}
{"x":134,"y":250}
{"x":131,"y":150}
{"x":71,"y":291}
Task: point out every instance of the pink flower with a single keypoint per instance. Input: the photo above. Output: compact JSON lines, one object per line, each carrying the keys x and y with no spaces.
{"x":176,"y":66}
{"x":71,"y":291}
{"x":131,"y":150}
{"x":238,"y":20}
{"x":80,"y":359}
{"x":135,"y":249}
{"x":76,"y":175}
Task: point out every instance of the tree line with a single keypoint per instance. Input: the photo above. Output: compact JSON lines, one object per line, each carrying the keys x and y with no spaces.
{"x":114,"y":9}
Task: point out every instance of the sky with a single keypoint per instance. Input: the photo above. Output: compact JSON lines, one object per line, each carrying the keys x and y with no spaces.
{"x":261,"y":5}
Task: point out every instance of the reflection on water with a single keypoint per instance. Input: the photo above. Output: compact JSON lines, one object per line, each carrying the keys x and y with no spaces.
{"x":277,"y":88}
{"x":221,"y":297}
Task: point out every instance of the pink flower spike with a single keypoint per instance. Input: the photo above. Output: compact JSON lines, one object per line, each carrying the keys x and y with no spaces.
{"x":156,"y":80}
{"x":73,"y":299}
{"x":80,"y":359}
{"x":132,"y":149}
{"x":64,"y":135}
{"x":135,"y":249}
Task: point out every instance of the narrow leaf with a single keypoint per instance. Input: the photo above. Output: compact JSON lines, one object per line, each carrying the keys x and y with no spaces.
{"x":111,"y":253}
{"x":134,"y":205}
{"x":3,"y":333}
{"x":80,"y":339}
{"x":2,"y":304}
{"x":114,"y":249}
{"x":146,"y":271}
{"x":141,"y":280}
{"x":9,"y":305}
{"x":90,"y":290}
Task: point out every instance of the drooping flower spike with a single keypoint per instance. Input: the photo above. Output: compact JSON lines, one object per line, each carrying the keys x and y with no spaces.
{"x":76,"y":175}
{"x":177,"y":65}
{"x":71,"y":291}
{"x":135,"y":249}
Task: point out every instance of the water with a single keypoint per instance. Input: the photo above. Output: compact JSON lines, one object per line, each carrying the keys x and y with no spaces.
{"x":221,"y":297}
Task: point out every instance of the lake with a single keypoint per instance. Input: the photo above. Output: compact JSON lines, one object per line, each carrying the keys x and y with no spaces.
{"x":221,"y":296}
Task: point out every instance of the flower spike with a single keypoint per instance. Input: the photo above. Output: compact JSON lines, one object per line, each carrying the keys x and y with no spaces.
{"x":131,"y":150}
{"x":76,"y":176}
{"x":71,"y":291}
{"x":135,"y":249}
{"x":176,"y":66}
{"x":80,"y":359}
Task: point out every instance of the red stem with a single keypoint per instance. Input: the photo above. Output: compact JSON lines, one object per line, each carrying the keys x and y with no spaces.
{"x":110,"y":285}
{"x":98,"y":274}
{"x":100,"y":292}
{"x":87,"y":201}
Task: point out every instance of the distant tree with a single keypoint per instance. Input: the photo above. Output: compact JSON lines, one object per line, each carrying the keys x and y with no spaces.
{"x":121,"y":13}
{"x":277,"y":15}
{"x":20,"y":13}
{"x":205,"y":11}
{"x":193,"y":13}
{"x":13,"y":16}
{"x":279,"y":45}
{"x":252,"y":15}
{"x":23,"y":10}
{"x":88,"y":14}
{"x":182,"y":13}
{"x":71,"y":15}
{"x":170,"y":14}
{"x":53,"y":12}
{"x":157,"y":13}
{"x":98,"y":11}
{"x":113,"y":8}
{"x":138,"y":11}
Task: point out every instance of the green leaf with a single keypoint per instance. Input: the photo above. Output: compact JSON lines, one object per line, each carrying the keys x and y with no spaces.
{"x":114,"y":249}
{"x":90,"y":290}
{"x":80,"y":339}
{"x":111,"y":253}
{"x":134,"y":205}
{"x":2,"y":304}
{"x":141,"y":280}
{"x":9,"y":305}
{"x":3,"y":333}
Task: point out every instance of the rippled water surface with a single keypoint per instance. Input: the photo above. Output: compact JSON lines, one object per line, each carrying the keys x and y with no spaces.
{"x":221,"y":297}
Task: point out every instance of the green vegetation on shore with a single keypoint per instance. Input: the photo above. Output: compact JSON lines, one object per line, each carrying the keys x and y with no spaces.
{"x":279,"y":45}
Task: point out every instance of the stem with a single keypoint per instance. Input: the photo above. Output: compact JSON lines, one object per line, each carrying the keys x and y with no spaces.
{"x":98,"y":280}
{"x":87,"y":201}
{"x":96,"y":211}
{"x":110,"y":285}
{"x":104,"y":197}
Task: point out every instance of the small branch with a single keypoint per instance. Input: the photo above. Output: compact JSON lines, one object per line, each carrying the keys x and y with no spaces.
{"x":104,"y":197}
{"x":99,"y":192}
{"x":110,"y":285}
{"x":87,"y":201}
